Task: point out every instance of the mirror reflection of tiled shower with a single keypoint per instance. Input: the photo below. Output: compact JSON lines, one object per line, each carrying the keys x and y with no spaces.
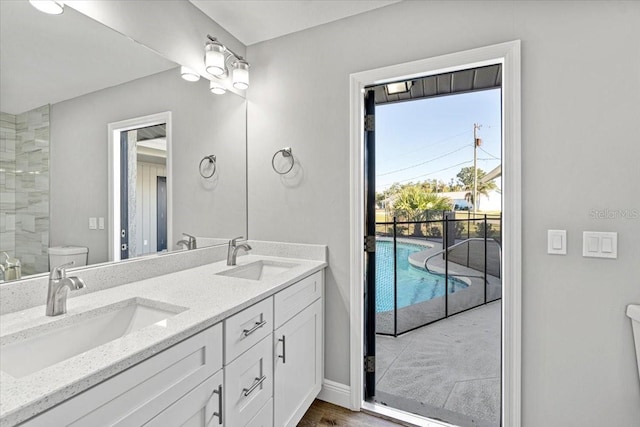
{"x":24,"y":188}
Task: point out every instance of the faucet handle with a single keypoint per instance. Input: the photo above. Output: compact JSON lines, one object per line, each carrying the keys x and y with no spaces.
{"x":191,"y":238}
{"x":232,"y":242}
{"x":59,"y":271}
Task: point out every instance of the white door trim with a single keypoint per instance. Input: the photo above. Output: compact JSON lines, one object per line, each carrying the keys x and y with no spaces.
{"x":508,"y":54}
{"x":114,"y":130}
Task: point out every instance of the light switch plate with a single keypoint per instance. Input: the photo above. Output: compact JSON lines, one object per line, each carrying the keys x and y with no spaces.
{"x":101,"y":223}
{"x":557,"y":242}
{"x":93,"y":223}
{"x":598,"y":244}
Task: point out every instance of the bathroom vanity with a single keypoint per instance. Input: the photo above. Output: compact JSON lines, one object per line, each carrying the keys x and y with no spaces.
{"x":211,"y":345}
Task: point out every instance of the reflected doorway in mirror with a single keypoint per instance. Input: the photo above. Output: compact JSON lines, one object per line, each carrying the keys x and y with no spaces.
{"x":140,"y":186}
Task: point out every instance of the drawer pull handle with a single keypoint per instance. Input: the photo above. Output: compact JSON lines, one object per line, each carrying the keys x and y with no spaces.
{"x":284,"y":349}
{"x":219,"y":413}
{"x":256,"y":384}
{"x":258,"y":325}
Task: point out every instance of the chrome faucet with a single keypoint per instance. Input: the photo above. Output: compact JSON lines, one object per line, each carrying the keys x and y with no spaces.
{"x":232,"y":251}
{"x":59,"y":284}
{"x":189,"y":242}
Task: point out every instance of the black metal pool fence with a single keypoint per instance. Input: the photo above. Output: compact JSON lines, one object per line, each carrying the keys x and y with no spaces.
{"x":458,"y":247}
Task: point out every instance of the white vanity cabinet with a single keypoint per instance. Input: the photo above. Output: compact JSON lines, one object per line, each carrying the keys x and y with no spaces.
{"x":135,"y":396}
{"x":261,"y":367}
{"x":298,"y":344}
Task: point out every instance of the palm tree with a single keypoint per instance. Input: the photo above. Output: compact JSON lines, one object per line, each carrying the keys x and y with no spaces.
{"x":465,"y":177}
{"x":417,"y":205}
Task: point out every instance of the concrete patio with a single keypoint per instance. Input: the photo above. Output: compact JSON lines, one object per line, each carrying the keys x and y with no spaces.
{"x":449,"y":370}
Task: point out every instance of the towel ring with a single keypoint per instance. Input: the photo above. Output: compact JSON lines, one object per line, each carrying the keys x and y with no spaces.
{"x":286,"y":153}
{"x":212,"y":159}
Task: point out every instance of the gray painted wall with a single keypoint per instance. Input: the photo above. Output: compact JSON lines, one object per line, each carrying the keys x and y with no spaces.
{"x":203,"y":124}
{"x":580,"y":109}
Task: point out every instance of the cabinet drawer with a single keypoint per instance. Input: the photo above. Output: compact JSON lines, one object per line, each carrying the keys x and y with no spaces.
{"x":248,"y":383}
{"x":136,"y":395}
{"x":198,"y":408}
{"x":264,"y":417}
{"x":295,"y":298}
{"x":246,"y":328}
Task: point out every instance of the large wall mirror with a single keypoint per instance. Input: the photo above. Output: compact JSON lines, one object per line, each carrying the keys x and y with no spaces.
{"x":64,"y":80}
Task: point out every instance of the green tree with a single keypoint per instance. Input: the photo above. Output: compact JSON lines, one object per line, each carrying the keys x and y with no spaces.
{"x":465,"y":177}
{"x":416,"y":204}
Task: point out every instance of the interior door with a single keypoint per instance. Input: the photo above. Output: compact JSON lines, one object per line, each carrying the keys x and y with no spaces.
{"x":124,"y":195}
{"x":370,"y":245}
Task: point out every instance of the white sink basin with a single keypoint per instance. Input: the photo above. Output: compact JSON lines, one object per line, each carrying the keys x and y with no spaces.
{"x":38,"y":348}
{"x":259,"y":270}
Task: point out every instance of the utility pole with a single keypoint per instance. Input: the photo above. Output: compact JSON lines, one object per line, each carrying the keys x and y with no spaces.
{"x":476,"y":143}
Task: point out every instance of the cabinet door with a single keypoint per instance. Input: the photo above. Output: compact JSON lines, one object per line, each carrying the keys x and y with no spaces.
{"x":298,"y":365}
{"x":248,"y":383}
{"x":198,"y":408}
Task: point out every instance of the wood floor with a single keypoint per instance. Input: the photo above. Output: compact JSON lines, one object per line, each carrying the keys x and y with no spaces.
{"x":323,"y":414}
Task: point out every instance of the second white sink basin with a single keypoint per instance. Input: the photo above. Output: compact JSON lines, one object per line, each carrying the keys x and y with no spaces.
{"x":258,"y":270}
{"x":34,"y":350}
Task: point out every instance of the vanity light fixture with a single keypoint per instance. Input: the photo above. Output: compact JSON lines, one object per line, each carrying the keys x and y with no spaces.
{"x":48,"y":6}
{"x":217,"y":88}
{"x":218,"y":59}
{"x":241,"y":74}
{"x":214,"y":60}
{"x":188,"y":74}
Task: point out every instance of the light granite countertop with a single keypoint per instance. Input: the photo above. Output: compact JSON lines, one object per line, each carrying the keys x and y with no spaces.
{"x":206,"y":297}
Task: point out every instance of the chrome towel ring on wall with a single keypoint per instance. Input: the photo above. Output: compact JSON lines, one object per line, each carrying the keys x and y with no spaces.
{"x":286,"y":153}
{"x":211,"y":161}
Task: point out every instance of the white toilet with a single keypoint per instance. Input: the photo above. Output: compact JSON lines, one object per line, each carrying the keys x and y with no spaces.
{"x":59,"y":255}
{"x":633,"y":311}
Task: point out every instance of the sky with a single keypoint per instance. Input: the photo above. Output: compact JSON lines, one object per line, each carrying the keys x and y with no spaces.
{"x":432,"y":138}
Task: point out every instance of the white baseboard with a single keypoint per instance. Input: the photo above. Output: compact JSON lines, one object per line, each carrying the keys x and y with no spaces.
{"x":336,"y":393}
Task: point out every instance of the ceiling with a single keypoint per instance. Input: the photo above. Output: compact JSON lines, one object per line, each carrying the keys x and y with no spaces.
{"x":254,"y":21}
{"x":45,"y":59}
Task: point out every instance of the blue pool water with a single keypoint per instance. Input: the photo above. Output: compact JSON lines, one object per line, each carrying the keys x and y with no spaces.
{"x":414,"y":284}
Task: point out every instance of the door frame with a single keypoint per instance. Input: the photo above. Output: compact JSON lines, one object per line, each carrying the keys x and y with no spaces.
{"x":507,"y":54}
{"x":114,"y":130}
{"x":163,"y":180}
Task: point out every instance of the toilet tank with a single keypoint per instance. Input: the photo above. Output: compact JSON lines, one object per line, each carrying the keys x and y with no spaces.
{"x":633,"y":311}
{"x":59,"y":255}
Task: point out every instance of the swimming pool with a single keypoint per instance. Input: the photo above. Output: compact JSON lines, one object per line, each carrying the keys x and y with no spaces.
{"x":414,"y":284}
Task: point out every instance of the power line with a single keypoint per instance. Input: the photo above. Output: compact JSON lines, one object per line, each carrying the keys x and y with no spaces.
{"x":425,"y":162}
{"x":438,"y":142}
{"x":427,"y":174}
{"x":486,"y":152}
{"x":431,"y":173}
